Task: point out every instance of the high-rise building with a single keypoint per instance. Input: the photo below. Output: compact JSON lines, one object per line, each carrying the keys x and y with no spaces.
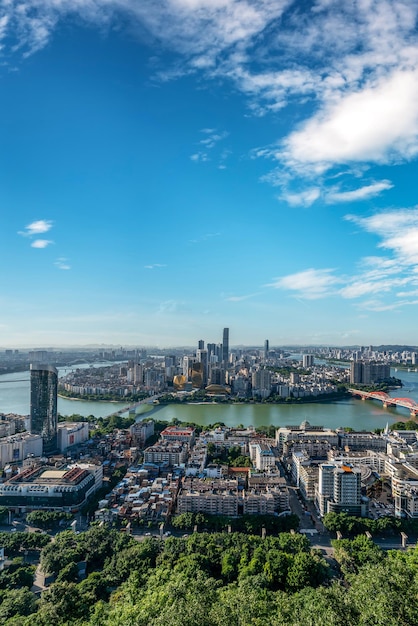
{"x":43,"y":404}
{"x":339,"y":489}
{"x":202,"y":357}
{"x":200,"y":344}
{"x":266,"y":349}
{"x":261,"y":382}
{"x":225,"y":346}
{"x":368,"y":373}
{"x":308,"y":360}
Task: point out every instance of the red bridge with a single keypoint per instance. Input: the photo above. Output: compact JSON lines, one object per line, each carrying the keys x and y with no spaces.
{"x":387,"y":400}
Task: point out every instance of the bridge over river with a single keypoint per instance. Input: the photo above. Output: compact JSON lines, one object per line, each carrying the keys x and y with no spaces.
{"x":133,"y":407}
{"x":387,"y":400}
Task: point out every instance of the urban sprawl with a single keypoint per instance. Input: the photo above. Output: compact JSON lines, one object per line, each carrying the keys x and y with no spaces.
{"x":139,"y":475}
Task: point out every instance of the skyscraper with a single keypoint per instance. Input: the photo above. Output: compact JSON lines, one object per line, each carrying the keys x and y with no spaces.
{"x":266,"y":349}
{"x":43,"y":404}
{"x":202,"y":357}
{"x":225,"y":346}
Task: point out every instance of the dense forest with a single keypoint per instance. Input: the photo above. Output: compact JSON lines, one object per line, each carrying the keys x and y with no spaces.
{"x":219,"y":579}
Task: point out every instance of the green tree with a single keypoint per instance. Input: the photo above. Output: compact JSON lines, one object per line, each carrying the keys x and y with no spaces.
{"x":19,"y":602}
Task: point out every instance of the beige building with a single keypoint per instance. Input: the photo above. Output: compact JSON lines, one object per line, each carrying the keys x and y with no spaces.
{"x":166,"y":452}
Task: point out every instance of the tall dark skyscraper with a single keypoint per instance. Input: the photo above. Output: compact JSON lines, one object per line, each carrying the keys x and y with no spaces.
{"x":225,"y":346}
{"x":201,"y":344}
{"x":266,"y":349}
{"x":43,"y":404}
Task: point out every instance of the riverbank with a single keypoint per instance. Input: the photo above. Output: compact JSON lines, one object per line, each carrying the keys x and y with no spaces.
{"x":81,"y":399}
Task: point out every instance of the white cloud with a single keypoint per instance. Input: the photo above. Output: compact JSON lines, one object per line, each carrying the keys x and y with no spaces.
{"x":377,"y":123}
{"x":362,"y":193}
{"x":212,"y":138}
{"x":209,"y":142}
{"x":200,"y":29}
{"x":36,"y":228}
{"x":310,"y":284}
{"x":359,"y":286}
{"x":398,"y":231}
{"x":41,"y":243}
{"x":154,"y":266}
{"x":199,"y":157}
{"x":303,"y":198}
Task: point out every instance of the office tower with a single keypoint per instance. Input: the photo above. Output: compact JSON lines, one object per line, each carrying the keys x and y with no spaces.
{"x":266,"y":349}
{"x":200,"y":344}
{"x":188,"y":361}
{"x":43,"y":404}
{"x":225,"y":346}
{"x":217,"y":376}
{"x":196,"y":375}
{"x":308,"y":360}
{"x":202,"y":357}
{"x":211,"y":347}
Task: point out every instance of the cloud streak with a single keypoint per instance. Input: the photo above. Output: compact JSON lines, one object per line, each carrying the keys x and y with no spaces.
{"x":393,"y":277}
{"x":62,"y":264}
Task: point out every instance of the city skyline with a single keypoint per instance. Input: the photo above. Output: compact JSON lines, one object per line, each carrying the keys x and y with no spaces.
{"x":172,"y":169}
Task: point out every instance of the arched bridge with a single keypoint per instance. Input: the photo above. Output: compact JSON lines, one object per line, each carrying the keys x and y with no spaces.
{"x":387,"y":400}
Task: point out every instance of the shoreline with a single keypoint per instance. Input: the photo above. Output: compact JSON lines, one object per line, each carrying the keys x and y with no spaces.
{"x":89,"y":400}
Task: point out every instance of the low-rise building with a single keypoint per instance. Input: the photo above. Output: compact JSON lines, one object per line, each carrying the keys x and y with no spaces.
{"x":179,"y":434}
{"x":141,"y":431}
{"x":43,"y":487}
{"x":72,"y":434}
{"x":16,"y":448}
{"x":167,"y":452}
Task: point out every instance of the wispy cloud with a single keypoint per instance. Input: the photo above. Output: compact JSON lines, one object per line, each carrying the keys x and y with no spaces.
{"x":392,"y":280}
{"x":199,"y":157}
{"x":62,"y":264}
{"x":302,"y":198}
{"x":205,"y":237}
{"x":168,"y":306}
{"x":240,"y":298}
{"x":154,"y":266}
{"x":398,"y":230}
{"x":211,"y":138}
{"x":309,"y":284}
{"x":361,"y":193}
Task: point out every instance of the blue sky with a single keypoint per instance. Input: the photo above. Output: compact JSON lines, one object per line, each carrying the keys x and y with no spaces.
{"x":170,"y":168}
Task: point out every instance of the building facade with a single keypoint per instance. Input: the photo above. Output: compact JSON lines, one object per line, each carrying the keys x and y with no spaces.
{"x":43,"y":404}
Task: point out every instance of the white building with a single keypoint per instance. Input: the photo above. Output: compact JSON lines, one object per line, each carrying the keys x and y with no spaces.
{"x":16,"y":448}
{"x":72,"y":434}
{"x":262,"y":455}
{"x":339,"y":489}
